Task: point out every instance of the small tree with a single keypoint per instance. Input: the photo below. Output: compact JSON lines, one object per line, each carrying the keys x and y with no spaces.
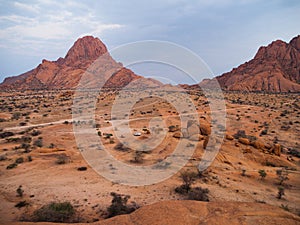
{"x":119,"y":205}
{"x":262,"y":174}
{"x":187,"y":178}
{"x":280,"y":192}
{"x":282,"y":174}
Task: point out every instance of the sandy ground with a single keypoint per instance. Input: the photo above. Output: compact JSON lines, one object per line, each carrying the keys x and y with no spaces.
{"x":44,"y":181}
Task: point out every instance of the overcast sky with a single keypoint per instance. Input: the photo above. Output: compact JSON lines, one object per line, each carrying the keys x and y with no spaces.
{"x":224,"y":33}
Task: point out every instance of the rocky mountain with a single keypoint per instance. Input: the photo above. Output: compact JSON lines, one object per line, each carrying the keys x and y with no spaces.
{"x":275,"y":68}
{"x":66,"y":73}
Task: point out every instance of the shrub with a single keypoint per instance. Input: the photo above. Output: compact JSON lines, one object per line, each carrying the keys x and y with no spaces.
{"x":282,"y":175}
{"x":16,"y":116}
{"x":51,"y":145}
{"x":240,"y":134}
{"x":19,"y":160}
{"x":61,"y":159}
{"x":263,"y":132}
{"x":119,"y":205}
{"x":26,"y":147}
{"x":270,"y":164}
{"x":182,"y":189}
{"x":280,"y":192}
{"x":6,"y":134}
{"x":22,"y":123}
{"x":294,"y":152}
{"x":187,"y":178}
{"x":21,"y":204}
{"x":11,"y":166}
{"x":38,"y":142}
{"x":121,"y":147}
{"x":20,"y":191}
{"x":285,"y":207}
{"x":26,"y":139}
{"x":198,"y":194}
{"x":54,"y":212}
{"x":138,"y":157}
{"x":262,"y":174}
{"x":3,"y":157}
{"x":35,"y":132}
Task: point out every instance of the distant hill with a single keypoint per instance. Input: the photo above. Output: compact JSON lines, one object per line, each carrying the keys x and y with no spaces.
{"x":275,"y":68}
{"x":65,"y":73}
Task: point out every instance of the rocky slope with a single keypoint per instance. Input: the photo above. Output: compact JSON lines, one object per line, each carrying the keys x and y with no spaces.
{"x":275,"y":68}
{"x":65,"y":73}
{"x":195,"y":212}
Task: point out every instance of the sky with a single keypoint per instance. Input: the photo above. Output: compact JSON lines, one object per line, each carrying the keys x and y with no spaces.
{"x":223,"y":33}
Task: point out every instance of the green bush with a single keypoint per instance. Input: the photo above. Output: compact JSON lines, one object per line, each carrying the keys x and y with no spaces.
{"x":198,"y":194}
{"x":11,"y":166}
{"x":262,"y":174}
{"x":38,"y":142}
{"x":54,"y":212}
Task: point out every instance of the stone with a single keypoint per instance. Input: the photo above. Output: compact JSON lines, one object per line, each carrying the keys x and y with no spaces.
{"x":229,"y":137}
{"x":205,"y":129}
{"x":196,"y":137}
{"x":177,"y":134}
{"x":258,"y":144}
{"x":244,"y":141}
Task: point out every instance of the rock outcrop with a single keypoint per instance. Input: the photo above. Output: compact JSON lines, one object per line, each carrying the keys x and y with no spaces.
{"x":66,"y":73}
{"x":194,"y":212}
{"x":275,"y":68}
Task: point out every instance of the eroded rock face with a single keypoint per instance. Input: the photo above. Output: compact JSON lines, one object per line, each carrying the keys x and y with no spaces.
{"x":275,"y":68}
{"x":276,"y":149}
{"x":86,"y":48}
{"x":194,"y":212}
{"x":65,"y":73}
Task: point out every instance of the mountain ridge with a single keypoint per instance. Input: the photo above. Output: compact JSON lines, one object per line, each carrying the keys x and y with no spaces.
{"x":274,"y":68}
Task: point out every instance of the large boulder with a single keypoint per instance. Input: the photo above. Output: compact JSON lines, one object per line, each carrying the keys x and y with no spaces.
{"x":205,"y":129}
{"x":244,"y":141}
{"x":177,"y":134}
{"x":258,"y":144}
{"x":229,"y":137}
